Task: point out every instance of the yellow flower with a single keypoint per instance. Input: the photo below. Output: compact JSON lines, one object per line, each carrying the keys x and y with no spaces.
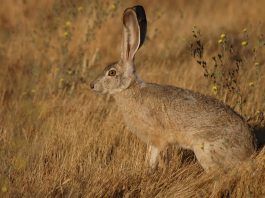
{"x":68,"y":24}
{"x":113,"y":6}
{"x":4,"y":188}
{"x":257,"y":113}
{"x":257,"y":64}
{"x":244,"y":43}
{"x":222,"y":36}
{"x":220,"y":41}
{"x":80,"y":9}
{"x":251,"y":84}
{"x":214,"y":89}
{"x":65,"y":34}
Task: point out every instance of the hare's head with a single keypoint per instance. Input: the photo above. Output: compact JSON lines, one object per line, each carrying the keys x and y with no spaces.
{"x":120,"y":75}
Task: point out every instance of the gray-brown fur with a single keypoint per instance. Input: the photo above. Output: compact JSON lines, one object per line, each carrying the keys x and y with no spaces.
{"x":161,"y":115}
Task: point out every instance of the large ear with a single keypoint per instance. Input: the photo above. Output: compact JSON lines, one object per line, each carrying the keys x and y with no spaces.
{"x":134,"y":30}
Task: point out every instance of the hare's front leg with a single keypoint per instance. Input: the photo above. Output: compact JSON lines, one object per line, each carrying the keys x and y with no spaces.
{"x":153,"y":153}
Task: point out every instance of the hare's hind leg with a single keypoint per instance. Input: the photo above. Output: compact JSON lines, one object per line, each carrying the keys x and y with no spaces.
{"x":208,"y":156}
{"x":219,"y":155}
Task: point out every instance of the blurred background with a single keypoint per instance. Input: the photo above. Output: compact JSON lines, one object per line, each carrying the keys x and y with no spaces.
{"x":59,"y":139}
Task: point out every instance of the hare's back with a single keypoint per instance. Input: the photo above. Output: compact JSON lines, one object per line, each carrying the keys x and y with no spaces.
{"x":186,"y":105}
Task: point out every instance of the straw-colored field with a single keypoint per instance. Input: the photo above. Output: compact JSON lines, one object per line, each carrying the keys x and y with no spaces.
{"x":59,"y":139}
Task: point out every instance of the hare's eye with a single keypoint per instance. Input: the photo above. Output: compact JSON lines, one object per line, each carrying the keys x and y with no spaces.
{"x":112,"y":72}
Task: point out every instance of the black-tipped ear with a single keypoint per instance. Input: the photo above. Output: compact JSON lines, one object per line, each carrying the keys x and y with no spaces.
{"x":142,"y":21}
{"x":134,"y":30}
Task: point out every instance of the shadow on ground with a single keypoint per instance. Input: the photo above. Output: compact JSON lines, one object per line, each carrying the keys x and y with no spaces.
{"x":260,"y":136}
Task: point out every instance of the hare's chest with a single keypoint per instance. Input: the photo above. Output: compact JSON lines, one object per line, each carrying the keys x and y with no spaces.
{"x":143,"y":121}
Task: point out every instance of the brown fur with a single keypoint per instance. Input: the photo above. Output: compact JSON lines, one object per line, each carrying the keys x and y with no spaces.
{"x":162,"y":115}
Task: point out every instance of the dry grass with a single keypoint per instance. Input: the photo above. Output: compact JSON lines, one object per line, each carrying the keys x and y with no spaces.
{"x":58,"y":139}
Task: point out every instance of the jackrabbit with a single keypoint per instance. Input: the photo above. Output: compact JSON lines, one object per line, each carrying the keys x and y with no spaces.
{"x":161,"y":115}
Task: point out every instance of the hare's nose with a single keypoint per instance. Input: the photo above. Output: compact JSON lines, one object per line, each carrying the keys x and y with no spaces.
{"x":92,"y":85}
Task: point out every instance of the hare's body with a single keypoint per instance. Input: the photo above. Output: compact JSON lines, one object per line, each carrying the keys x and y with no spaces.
{"x":162,"y":115}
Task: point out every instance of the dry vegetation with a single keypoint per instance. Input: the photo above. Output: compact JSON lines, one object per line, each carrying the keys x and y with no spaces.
{"x":58,"y":139}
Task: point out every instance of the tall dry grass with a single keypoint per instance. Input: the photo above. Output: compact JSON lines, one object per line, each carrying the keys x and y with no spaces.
{"x":58,"y":139}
